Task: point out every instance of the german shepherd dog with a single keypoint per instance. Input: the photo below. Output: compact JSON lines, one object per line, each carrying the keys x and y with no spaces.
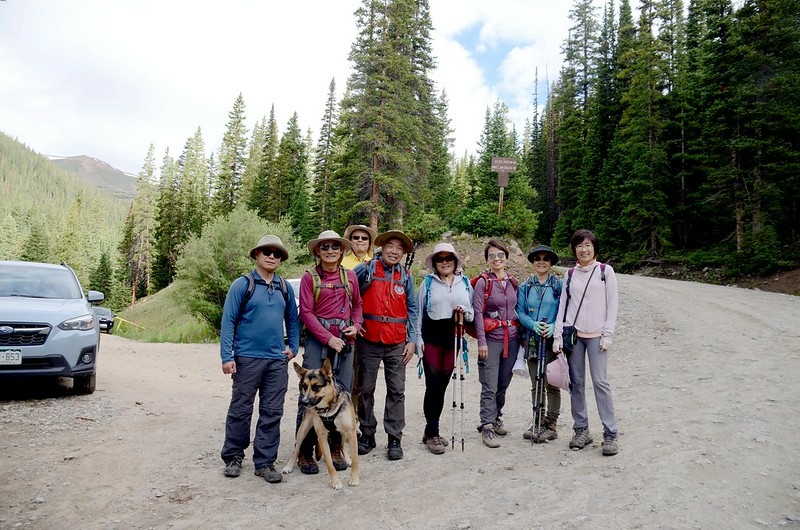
{"x":327,"y":404}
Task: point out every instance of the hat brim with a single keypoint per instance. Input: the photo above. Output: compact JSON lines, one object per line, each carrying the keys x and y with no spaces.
{"x":314,"y":243}
{"x":284,"y":252}
{"x":552,"y":256}
{"x":429,"y":260}
{"x":408,"y":245}
{"x":353,"y":228}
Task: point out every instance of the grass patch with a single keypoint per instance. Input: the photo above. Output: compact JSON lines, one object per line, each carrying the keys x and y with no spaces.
{"x":161,"y":317}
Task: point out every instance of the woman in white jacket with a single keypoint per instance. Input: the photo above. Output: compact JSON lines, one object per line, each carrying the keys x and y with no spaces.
{"x":590,"y":300}
{"x":444,"y":295}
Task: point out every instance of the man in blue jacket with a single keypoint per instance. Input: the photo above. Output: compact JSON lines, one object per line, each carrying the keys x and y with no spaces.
{"x":254,"y":354}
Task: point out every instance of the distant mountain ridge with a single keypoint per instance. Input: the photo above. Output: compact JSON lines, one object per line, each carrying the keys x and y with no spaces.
{"x":99,"y":174}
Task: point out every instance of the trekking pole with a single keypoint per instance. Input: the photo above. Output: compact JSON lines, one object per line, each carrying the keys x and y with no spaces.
{"x":453,"y":377}
{"x":541,"y":367}
{"x":460,"y":342}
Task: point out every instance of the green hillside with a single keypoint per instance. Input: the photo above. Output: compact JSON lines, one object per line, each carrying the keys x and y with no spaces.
{"x":48,"y":214}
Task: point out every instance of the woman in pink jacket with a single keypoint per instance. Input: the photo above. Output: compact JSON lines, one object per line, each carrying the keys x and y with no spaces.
{"x":589,"y":302}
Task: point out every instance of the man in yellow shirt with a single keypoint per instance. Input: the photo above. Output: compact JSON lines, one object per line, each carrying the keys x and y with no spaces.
{"x":361,"y":238}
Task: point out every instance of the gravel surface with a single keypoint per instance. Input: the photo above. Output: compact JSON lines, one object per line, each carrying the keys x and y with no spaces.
{"x":705,"y":381}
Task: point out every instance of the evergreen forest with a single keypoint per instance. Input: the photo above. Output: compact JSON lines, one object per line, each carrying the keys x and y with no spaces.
{"x":671,"y":131}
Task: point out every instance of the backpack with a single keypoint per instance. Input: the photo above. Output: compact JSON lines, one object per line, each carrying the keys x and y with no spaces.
{"x":572,"y":269}
{"x":490,"y":324}
{"x":371,"y":274}
{"x":427,"y":282}
{"x":317,"y":288}
{"x":248,"y":294}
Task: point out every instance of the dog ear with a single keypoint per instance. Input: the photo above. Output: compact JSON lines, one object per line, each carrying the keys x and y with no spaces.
{"x":299,"y":369}
{"x":326,"y":367}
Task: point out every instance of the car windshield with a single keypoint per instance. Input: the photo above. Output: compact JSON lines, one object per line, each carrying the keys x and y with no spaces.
{"x":103,"y":311}
{"x":36,"y":282}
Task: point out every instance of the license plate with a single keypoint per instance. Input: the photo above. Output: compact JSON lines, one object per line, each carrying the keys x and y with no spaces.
{"x":10,"y":356}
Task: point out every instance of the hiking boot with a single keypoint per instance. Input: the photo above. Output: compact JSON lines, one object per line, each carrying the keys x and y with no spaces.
{"x":233,"y":467}
{"x":307,"y":464}
{"x":528,"y":434}
{"x":269,"y":474}
{"x":443,"y":440}
{"x":610,"y":446}
{"x":499,"y":428}
{"x":546,"y":433}
{"x":435,"y":444}
{"x":394,"y":451}
{"x":337,"y":456}
{"x":489,"y":438}
{"x":581,"y":439}
{"x":366,"y":443}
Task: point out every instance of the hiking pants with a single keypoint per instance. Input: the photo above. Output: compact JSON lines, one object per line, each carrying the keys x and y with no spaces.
{"x":598,"y":363}
{"x":312,"y":360}
{"x":370,"y":355}
{"x":437,"y":362}
{"x":495,"y":375}
{"x":269,"y":378}
{"x":553,"y":392}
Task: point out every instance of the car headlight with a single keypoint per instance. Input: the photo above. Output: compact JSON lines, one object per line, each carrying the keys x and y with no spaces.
{"x":83,"y":323}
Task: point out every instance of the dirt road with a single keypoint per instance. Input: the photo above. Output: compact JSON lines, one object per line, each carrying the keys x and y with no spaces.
{"x":705,"y":381}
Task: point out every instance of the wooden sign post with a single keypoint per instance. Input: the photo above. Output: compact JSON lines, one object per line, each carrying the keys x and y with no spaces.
{"x":503,"y":166}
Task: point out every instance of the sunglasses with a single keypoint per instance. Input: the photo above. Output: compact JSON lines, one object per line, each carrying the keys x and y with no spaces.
{"x":271,"y":252}
{"x":541,"y":258}
{"x":330,"y":246}
{"x":499,"y":255}
{"x":440,"y":259}
{"x":359,"y":238}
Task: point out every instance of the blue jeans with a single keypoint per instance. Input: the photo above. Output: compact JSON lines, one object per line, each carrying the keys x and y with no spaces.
{"x":269,"y":378}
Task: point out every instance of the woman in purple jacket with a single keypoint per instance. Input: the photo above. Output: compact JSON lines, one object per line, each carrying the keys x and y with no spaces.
{"x":590,"y":300}
{"x":494,"y":302}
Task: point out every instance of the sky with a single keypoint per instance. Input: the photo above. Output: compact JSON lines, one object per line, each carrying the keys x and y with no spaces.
{"x":107,"y":78}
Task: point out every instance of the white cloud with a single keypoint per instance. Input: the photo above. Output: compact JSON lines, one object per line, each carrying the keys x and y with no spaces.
{"x":106,"y":79}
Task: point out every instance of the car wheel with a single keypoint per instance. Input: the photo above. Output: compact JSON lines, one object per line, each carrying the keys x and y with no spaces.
{"x":84,"y":384}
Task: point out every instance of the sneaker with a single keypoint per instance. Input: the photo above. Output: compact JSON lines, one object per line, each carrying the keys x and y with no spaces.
{"x":489,"y":438}
{"x":307,"y":464}
{"x":546,"y":433}
{"x":435,"y":444}
{"x":269,"y":474}
{"x":499,"y":427}
{"x":610,"y":446}
{"x":394,"y":451}
{"x":366,"y":443}
{"x":581,"y":439}
{"x":233,"y":467}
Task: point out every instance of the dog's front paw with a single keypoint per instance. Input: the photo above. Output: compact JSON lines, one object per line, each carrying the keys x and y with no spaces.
{"x":336,"y":483}
{"x":353,"y":481}
{"x":288,"y":469}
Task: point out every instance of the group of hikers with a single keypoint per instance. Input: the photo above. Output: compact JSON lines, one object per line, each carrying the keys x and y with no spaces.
{"x":358,"y":308}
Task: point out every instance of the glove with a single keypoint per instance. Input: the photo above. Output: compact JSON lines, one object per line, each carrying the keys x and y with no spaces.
{"x":547,"y":329}
{"x":605,"y":343}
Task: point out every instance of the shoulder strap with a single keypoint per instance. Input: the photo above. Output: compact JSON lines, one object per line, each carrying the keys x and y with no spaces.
{"x":316,"y":281}
{"x":603,"y":272}
{"x":370,"y":275}
{"x":248,"y":294}
{"x":488,"y":287}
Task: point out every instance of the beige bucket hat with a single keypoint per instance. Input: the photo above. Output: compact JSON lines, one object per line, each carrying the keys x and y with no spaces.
{"x":408,"y":245}
{"x":328,"y":235}
{"x":438,"y":249}
{"x":270,"y":241}
{"x":352,"y":228}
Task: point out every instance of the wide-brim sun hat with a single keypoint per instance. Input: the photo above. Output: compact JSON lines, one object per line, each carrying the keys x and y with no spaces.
{"x":328,"y":235}
{"x":270,"y":241}
{"x":438,"y":249}
{"x":353,"y":228}
{"x":552,"y":256}
{"x":408,"y":245}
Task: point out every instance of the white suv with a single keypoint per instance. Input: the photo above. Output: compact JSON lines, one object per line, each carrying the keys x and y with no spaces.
{"x":47,"y":326}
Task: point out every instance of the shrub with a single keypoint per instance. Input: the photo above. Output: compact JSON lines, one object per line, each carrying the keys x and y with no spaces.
{"x":210,"y":263}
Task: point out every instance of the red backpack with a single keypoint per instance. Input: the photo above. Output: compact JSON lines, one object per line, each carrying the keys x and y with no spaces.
{"x":489,"y":324}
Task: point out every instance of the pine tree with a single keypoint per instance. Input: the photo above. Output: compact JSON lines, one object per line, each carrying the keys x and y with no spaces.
{"x":231,"y":160}
{"x":101,"y":277}
{"x":324,"y":163}
{"x":37,"y":245}
{"x":262,"y":200}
